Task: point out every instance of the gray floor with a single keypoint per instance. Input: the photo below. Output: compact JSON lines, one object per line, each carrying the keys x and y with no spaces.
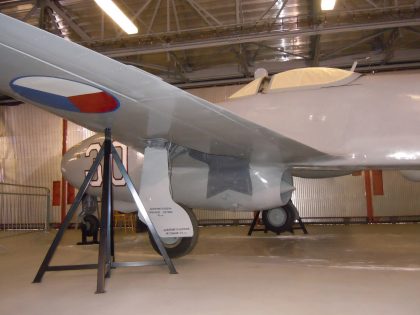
{"x":365,"y":269}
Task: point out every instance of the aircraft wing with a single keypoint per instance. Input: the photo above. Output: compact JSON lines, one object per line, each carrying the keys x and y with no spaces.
{"x":96,"y":92}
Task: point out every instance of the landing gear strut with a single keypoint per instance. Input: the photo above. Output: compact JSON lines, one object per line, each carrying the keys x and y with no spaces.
{"x":90,"y":228}
{"x":89,"y":223}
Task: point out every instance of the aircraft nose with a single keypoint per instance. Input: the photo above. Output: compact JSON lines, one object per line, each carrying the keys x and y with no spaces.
{"x":77,"y":161}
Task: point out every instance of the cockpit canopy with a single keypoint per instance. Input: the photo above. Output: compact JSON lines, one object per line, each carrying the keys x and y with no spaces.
{"x":303,"y":78}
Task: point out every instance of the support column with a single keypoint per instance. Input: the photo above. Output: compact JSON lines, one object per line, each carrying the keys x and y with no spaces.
{"x":63,"y":181}
{"x":369,"y":199}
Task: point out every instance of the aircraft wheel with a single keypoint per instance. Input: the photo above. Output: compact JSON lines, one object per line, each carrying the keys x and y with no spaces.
{"x":179,"y":246}
{"x":91,"y":225}
{"x":279,"y":220}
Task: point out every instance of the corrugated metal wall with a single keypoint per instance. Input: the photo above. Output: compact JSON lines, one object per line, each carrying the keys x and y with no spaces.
{"x":30,"y":150}
{"x":30,"y":153}
{"x":330,"y":197}
{"x":30,"y":144}
{"x":401,"y":196}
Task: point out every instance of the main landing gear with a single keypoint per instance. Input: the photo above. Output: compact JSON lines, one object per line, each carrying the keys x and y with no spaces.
{"x":177,"y":226}
{"x":179,"y":246}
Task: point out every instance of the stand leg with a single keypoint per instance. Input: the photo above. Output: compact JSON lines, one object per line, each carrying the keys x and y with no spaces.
{"x":106,"y":255}
{"x":110,"y":229}
{"x":46,"y":262}
{"x":112,"y":233}
{"x":254,"y":222}
{"x":104,"y":262}
{"x":302,"y":225}
{"x":143,"y":211}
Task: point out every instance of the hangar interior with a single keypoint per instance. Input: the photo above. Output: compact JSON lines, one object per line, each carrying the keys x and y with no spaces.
{"x":212,"y":48}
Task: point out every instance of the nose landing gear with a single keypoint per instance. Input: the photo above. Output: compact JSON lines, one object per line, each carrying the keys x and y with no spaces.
{"x":90,"y":228}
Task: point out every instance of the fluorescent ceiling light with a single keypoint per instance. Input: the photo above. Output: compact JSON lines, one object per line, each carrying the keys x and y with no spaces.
{"x":327,"y":5}
{"x":117,"y":15}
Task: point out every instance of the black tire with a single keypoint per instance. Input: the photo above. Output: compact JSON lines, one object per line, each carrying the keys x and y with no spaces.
{"x":91,"y":226}
{"x":279,"y":220}
{"x":181,"y":246}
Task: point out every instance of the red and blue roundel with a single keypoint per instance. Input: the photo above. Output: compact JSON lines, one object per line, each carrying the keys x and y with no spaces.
{"x":65,"y":94}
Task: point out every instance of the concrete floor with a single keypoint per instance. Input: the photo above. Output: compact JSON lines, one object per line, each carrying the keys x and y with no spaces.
{"x":360,"y":269}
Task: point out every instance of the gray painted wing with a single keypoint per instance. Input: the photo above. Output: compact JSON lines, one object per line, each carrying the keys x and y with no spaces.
{"x":149,"y":108}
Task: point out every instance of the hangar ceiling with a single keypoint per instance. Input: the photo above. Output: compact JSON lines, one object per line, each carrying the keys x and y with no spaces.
{"x":209,"y":42}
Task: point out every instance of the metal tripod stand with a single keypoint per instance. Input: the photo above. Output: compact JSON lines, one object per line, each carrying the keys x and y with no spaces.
{"x":106,"y":257}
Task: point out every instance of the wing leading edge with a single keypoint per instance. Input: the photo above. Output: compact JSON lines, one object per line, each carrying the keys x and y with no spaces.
{"x":68,"y":80}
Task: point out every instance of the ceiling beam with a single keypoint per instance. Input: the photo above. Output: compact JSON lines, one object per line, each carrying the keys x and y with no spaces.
{"x":76,"y":28}
{"x":140,"y":11}
{"x":238,"y":11}
{"x":391,"y":44}
{"x":168,"y":15}
{"x":178,"y":28}
{"x":12,"y":3}
{"x":200,"y":8}
{"x":412,"y":29}
{"x":283,"y":5}
{"x":268,"y":10}
{"x":199,"y":12}
{"x":43,"y":17}
{"x":353,"y":44}
{"x":179,"y":68}
{"x":281,"y":50}
{"x":153,"y":17}
{"x":136,"y":16}
{"x":53,"y":23}
{"x":315,"y":44}
{"x":316,"y":50}
{"x":241,"y":56}
{"x":256,"y":37}
{"x":373,"y":4}
{"x":145,"y":65}
{"x":30,"y":13}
